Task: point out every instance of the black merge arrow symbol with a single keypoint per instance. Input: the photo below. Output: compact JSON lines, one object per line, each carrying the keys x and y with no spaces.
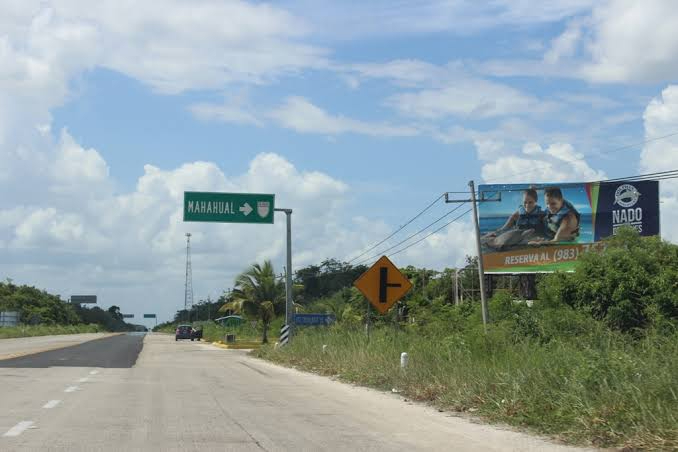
{"x":384,"y":284}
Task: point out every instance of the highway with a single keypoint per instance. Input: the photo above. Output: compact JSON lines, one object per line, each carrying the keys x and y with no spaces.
{"x":147,"y":392}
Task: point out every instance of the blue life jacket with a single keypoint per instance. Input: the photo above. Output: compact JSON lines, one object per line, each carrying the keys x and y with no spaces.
{"x":552,"y":221}
{"x":530,"y":220}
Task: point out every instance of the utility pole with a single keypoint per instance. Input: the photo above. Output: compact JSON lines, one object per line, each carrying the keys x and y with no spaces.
{"x":188,"y":286}
{"x":456,"y":286}
{"x":481,"y":271}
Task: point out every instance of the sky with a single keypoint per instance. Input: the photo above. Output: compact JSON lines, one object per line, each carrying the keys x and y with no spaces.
{"x":356,"y":115}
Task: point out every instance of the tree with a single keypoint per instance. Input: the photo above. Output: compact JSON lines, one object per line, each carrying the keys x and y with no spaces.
{"x":114,"y":311}
{"x":629,"y":285}
{"x":257,"y":293}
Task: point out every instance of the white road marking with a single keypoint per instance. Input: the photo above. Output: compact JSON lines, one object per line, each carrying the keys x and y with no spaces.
{"x":83,"y":380}
{"x":19,"y":428}
{"x":51,"y":404}
{"x":94,"y":372}
{"x":71,"y":389}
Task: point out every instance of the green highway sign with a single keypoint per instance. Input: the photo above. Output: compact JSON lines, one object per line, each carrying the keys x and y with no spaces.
{"x":128,"y":316}
{"x":228,"y":207}
{"x":81,"y":299}
{"x":149,"y":316}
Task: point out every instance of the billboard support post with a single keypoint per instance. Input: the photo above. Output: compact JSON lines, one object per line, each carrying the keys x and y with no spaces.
{"x":481,"y":271}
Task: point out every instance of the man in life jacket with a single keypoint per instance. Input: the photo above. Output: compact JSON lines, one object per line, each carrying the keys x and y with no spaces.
{"x":561,"y":222}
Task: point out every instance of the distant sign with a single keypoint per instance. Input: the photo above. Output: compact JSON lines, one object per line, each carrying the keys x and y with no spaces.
{"x":149,"y":316}
{"x":228,"y":207}
{"x":128,"y":316}
{"x":314,"y":319}
{"x":546,"y":227}
{"x":81,"y":299}
{"x":9,"y":318}
{"x":383,"y":284}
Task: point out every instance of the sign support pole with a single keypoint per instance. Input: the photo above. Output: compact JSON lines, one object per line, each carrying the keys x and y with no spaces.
{"x":289,"y":308}
{"x":481,"y":270}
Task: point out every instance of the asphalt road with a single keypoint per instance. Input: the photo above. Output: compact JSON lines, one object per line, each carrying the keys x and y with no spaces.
{"x":20,"y":346}
{"x":189,"y":396}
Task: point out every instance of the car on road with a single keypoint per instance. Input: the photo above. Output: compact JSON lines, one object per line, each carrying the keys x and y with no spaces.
{"x":197,"y":333}
{"x":183,"y":332}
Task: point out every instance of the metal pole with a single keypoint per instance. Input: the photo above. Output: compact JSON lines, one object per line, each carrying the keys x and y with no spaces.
{"x":456,"y":286}
{"x":289,"y":314}
{"x":367,"y":326}
{"x":481,"y":270}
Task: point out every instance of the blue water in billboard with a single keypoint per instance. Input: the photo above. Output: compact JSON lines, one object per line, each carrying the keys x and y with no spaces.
{"x":489,"y":224}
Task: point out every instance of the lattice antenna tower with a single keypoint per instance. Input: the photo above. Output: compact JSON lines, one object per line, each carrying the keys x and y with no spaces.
{"x":188,"y":294}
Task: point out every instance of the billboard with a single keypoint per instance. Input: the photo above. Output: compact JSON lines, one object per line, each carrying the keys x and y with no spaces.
{"x":82,"y":299}
{"x":528,"y":228}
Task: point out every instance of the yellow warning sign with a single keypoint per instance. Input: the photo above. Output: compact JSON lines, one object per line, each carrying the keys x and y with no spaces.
{"x":383,"y":284}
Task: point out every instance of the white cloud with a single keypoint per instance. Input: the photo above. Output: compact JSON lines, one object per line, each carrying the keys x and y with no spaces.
{"x":169,"y":44}
{"x":633,"y":41}
{"x":224,"y":113}
{"x":618,"y":41}
{"x":408,"y":72}
{"x":469,"y":98}
{"x":661,"y":117}
{"x":129,"y":247}
{"x":557,"y":163}
{"x":356,"y":19}
{"x":299,"y":114}
{"x":77,"y":168}
{"x":565,"y":45}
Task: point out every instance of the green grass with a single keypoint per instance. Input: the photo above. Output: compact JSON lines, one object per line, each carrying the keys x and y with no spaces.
{"x":47,"y":330}
{"x":589,"y":387}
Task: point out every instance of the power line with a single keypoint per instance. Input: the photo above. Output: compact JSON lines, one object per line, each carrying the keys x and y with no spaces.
{"x":409,"y":237}
{"x":661,"y":175}
{"x":429,"y":235}
{"x":397,"y":230}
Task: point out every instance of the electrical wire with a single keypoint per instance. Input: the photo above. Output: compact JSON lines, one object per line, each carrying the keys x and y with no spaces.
{"x":398,"y":230}
{"x":661,"y":175}
{"x":409,"y":237}
{"x":429,"y":235}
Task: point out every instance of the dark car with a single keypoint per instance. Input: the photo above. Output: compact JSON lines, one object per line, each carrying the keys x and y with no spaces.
{"x":197,"y":333}
{"x":183,"y":332}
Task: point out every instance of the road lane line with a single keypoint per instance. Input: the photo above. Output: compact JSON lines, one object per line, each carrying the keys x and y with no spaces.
{"x":94,"y":372}
{"x":83,"y":380}
{"x":71,"y":389}
{"x":19,"y":428}
{"x":51,"y":404}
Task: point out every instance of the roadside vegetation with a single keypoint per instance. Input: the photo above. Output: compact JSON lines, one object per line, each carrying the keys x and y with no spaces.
{"x":48,"y":330}
{"x":42,"y":313}
{"x":592,"y":358}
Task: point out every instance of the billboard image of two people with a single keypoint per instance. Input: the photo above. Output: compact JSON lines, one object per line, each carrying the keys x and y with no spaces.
{"x":527,"y":228}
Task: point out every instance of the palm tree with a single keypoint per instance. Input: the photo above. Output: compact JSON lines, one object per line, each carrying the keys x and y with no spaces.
{"x":259,"y":294}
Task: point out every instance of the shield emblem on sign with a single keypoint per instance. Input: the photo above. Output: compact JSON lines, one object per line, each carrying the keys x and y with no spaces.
{"x":263,"y":208}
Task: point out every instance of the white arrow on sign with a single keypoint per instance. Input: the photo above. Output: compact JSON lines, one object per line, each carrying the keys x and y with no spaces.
{"x":246,"y":209}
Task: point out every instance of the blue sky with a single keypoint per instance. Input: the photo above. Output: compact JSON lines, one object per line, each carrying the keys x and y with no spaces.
{"x":356,"y":115}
